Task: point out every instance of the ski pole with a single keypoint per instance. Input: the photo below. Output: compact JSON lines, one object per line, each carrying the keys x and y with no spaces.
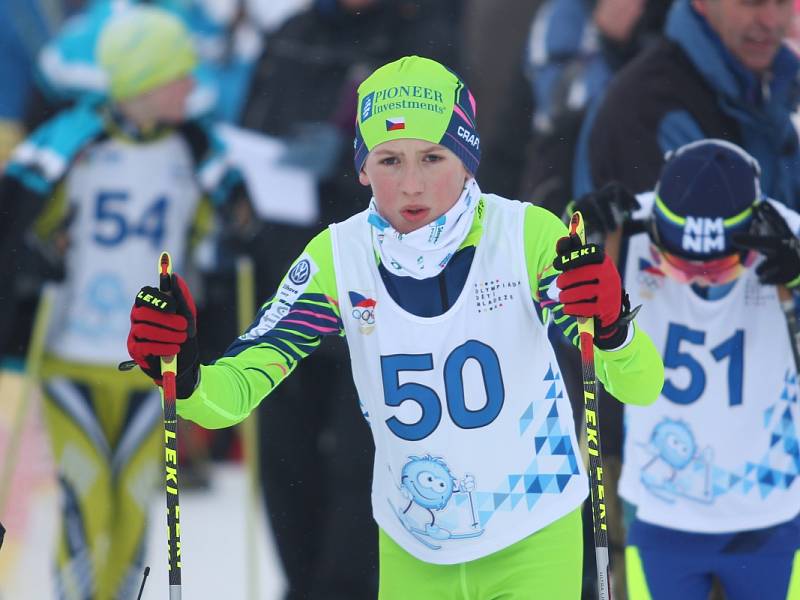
{"x":248,"y":429}
{"x":592,"y":420}
{"x":144,"y":579}
{"x":168,"y":370}
{"x":33,"y":364}
{"x":788,"y":307}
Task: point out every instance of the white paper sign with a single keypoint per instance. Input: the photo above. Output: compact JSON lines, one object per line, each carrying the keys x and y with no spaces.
{"x":279,"y":192}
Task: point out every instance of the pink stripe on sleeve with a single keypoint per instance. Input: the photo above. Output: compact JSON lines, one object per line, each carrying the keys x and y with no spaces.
{"x":313,"y":314}
{"x":310,"y":326}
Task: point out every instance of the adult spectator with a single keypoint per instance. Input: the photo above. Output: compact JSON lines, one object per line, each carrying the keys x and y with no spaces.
{"x":574,"y":49}
{"x":723,"y":71}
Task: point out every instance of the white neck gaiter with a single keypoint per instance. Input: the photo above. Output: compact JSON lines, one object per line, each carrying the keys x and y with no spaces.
{"x":423,"y":253}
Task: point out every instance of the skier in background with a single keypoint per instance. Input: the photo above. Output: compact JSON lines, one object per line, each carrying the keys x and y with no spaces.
{"x":114,"y":184}
{"x":712,"y":467}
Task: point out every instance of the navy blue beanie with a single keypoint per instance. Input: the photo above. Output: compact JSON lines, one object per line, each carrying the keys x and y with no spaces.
{"x":705,"y":194}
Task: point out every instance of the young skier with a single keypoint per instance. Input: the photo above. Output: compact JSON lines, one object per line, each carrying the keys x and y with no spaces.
{"x":712,"y":467}
{"x":119,"y":181}
{"x":444,"y":294}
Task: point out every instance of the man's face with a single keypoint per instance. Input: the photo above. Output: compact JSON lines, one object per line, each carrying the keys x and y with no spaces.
{"x":752,"y":30}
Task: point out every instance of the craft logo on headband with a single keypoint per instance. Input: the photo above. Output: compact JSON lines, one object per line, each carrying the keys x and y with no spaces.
{"x":468,"y":136}
{"x":402,"y":97}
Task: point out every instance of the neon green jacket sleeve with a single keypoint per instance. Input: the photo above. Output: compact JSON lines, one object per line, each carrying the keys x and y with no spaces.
{"x":287,"y":328}
{"x":634,"y":373}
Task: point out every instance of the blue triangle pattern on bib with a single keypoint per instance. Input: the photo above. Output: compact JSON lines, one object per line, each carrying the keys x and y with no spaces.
{"x":547,"y":443}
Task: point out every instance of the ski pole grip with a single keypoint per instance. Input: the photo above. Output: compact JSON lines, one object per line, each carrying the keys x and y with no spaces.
{"x":576,"y":227}
{"x":168,"y":363}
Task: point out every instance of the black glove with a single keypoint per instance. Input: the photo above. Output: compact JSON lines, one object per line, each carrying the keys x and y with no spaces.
{"x":604,"y":210}
{"x":241,"y":225}
{"x":770,"y":235}
{"x":165,"y":325}
{"x":591,"y":287}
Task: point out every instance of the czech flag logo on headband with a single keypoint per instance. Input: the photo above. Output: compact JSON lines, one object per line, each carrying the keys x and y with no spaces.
{"x":395,"y":124}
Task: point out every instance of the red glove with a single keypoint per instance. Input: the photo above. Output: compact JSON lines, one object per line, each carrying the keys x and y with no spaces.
{"x":591,"y":287}
{"x":164,"y":325}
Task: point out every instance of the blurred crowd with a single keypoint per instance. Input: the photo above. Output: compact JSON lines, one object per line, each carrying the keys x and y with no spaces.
{"x":572,"y":94}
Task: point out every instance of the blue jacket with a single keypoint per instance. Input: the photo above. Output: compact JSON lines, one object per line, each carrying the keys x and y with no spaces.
{"x":42,"y":161}
{"x":564,"y":60}
{"x":24,"y":26}
{"x":690,"y":87}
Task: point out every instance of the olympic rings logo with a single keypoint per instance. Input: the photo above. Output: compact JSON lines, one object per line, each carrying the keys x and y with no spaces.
{"x":365,"y":316}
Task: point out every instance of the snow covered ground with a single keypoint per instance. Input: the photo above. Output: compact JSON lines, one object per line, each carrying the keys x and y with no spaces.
{"x":214,"y":528}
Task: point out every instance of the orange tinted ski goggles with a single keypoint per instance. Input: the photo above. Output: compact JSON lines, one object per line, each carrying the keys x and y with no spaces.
{"x":718,"y":271}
